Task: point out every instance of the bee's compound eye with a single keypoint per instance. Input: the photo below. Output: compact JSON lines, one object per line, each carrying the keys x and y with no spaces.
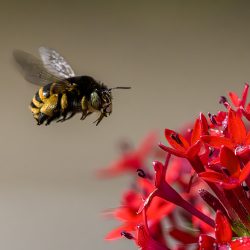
{"x":95,"y":100}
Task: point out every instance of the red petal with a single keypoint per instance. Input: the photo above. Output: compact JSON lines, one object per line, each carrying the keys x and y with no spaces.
{"x":243,"y":152}
{"x":244,"y":94}
{"x":127,"y":162}
{"x":196,"y":134}
{"x":172,"y":151}
{"x":123,"y":213}
{"x":147,"y":145}
{"x":146,"y":185}
{"x":204,"y":124}
{"x":221,"y":179}
{"x":230,"y":161}
{"x":236,"y":127}
{"x":223,"y":231}
{"x":159,"y":209}
{"x":217,"y":141}
{"x":206,"y":242}
{"x":181,"y":146}
{"x":212,"y":176}
{"x":235,"y":99}
{"x":245,"y":172}
{"x":246,"y":112}
{"x":248,"y":108}
{"x":146,"y":242}
{"x":116,"y":233}
{"x":242,"y":243}
{"x":194,"y":149}
{"x":159,"y":178}
{"x":248,"y":138}
{"x":112,"y":170}
{"x":215,"y":163}
{"x":221,"y":117}
{"x":142,"y":236}
{"x":147,"y":202}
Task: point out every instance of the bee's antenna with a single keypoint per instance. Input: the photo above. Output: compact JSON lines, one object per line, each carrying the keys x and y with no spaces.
{"x":120,"y":88}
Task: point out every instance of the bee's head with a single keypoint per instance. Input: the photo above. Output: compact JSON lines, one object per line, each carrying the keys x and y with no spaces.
{"x":101,"y":99}
{"x":106,"y":97}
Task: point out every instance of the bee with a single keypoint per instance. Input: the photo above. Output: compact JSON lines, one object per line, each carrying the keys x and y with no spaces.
{"x":62,"y":94}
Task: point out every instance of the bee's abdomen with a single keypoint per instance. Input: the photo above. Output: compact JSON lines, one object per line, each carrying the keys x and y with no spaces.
{"x":41,"y":95}
{"x":39,"y":99}
{"x":46,"y":105}
{"x":34,"y":109}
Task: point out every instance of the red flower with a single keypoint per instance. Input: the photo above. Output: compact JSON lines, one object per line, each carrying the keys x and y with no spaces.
{"x":132,"y":160}
{"x":232,"y":164}
{"x":223,"y":237}
{"x":240,"y":103}
{"x":128,"y":212}
{"x":237,"y":137}
{"x":166,"y":192}
{"x":180,"y":145}
{"x":145,"y":241}
{"x":191,"y":149}
{"x":219,"y":153}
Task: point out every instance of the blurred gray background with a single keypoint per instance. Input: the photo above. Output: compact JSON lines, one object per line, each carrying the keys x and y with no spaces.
{"x":178,"y":56}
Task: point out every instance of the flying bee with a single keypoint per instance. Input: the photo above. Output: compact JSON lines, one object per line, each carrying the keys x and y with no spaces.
{"x":62,"y":94}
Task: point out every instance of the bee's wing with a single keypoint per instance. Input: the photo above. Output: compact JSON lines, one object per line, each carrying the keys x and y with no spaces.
{"x":55,"y":63}
{"x":33,"y":69}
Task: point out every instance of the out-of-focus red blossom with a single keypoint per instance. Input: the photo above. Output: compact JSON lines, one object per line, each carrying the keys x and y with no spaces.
{"x":223,"y":237}
{"x":131,"y":160}
{"x":145,"y":241}
{"x":165,"y":191}
{"x":128,"y":211}
{"x":199,"y":197}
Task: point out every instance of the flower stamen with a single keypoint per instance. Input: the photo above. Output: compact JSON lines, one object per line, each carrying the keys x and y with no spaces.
{"x":141,"y":173}
{"x":176,"y":137}
{"x":127,"y":235}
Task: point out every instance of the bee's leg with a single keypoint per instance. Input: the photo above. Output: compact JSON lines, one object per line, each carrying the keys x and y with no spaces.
{"x":84,"y":106}
{"x":63,"y":115}
{"x":49,"y":120}
{"x":70,"y":116}
{"x":36,"y":117}
{"x":100,"y":118}
{"x":41,"y":118}
{"x":65,"y":118}
{"x":62,"y":119}
{"x":64,"y":106}
{"x":85,"y":115}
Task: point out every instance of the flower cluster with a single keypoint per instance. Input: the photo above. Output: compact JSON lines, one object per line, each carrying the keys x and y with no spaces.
{"x":196,"y":194}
